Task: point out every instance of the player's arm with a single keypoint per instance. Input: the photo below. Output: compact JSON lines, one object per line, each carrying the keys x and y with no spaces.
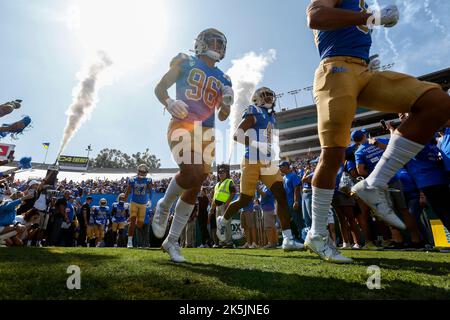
{"x":361,"y":168}
{"x":165,"y":83}
{"x":239,"y":136}
{"x":224,"y":112}
{"x":323,"y":15}
{"x":176,"y":108}
{"x":127,"y":193}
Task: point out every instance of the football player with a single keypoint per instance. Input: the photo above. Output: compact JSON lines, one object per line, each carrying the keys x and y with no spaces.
{"x":119,"y":215}
{"x":256,"y":132}
{"x":201,"y":88}
{"x":100,"y":217}
{"x":346,"y":79}
{"x":140,"y":188}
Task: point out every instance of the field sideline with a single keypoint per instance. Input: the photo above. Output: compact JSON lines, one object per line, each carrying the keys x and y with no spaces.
{"x":40,"y":273}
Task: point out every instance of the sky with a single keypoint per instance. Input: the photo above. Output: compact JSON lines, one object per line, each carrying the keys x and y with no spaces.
{"x":45,"y":44}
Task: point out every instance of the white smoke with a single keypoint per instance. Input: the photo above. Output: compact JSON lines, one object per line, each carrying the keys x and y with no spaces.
{"x":246,"y":73}
{"x":84,"y":96}
{"x":434,"y":19}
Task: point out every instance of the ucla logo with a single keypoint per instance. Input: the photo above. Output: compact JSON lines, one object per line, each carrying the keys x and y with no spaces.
{"x":338,"y":70}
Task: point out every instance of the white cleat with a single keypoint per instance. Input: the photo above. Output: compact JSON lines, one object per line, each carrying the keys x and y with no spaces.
{"x":377,"y":200}
{"x":292,"y":245}
{"x":221,"y":229}
{"x":130,"y":244}
{"x":324,"y":247}
{"x":160,"y":219}
{"x":174,"y":251}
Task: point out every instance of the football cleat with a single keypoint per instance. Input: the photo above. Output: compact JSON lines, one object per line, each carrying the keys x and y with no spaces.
{"x":292,"y":245}
{"x":221,"y":228}
{"x":324,"y":247}
{"x":377,"y":200}
{"x":160,"y":219}
{"x":174,"y":251}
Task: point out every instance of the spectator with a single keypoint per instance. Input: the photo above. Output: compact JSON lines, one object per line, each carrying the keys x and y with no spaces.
{"x":267,"y":201}
{"x":203,"y":203}
{"x":292,"y":185}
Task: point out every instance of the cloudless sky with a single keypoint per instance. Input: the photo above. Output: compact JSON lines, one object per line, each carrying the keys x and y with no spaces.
{"x":40,"y":57}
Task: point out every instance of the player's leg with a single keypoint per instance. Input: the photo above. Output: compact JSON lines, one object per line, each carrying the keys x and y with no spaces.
{"x":428,"y":108}
{"x":134,"y":211}
{"x":185,"y":205}
{"x":336,"y":88}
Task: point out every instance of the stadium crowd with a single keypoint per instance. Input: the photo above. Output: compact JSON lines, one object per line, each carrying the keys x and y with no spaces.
{"x":68,"y":213}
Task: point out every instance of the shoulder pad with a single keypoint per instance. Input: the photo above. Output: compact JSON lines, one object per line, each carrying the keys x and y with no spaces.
{"x":251,"y":110}
{"x":179,"y":59}
{"x":227,"y":78}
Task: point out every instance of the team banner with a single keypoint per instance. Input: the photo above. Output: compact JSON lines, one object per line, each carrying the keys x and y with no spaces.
{"x":5,"y":150}
{"x":73,"y":163}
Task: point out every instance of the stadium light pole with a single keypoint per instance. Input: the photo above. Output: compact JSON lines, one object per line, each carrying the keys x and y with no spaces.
{"x":294,"y":93}
{"x":89,"y":149}
{"x":279,"y":96}
{"x":310,"y":89}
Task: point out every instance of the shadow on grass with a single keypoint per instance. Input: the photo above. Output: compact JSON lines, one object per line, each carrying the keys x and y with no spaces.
{"x":280,"y":286}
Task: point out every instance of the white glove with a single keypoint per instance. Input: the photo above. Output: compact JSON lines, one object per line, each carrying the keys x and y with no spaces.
{"x":177,"y":108}
{"x":389,"y":16}
{"x":227,"y":96}
{"x":375,"y":63}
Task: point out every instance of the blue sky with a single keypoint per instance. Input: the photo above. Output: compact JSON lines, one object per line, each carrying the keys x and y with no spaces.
{"x":41,"y":56}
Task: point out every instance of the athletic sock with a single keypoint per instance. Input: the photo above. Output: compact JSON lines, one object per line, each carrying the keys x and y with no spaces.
{"x":321,"y":202}
{"x":130,"y":239}
{"x":399,"y":152}
{"x":183,"y":211}
{"x":172,"y":193}
{"x":287,"y":234}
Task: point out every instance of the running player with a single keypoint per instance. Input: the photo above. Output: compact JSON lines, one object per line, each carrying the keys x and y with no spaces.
{"x":345,"y":80}
{"x":256,"y":133}
{"x":201,"y":87}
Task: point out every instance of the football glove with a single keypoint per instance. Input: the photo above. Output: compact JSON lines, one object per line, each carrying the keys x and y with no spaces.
{"x":375,"y":63}
{"x":177,"y":108}
{"x":227,"y":96}
{"x":389,"y":16}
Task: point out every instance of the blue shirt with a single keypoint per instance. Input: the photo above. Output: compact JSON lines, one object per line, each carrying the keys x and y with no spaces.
{"x":268,"y":201}
{"x":119,"y":212}
{"x":426,"y":169}
{"x":290,"y":181}
{"x":444,"y":146}
{"x":249,"y":207}
{"x":308,"y":185}
{"x":262,"y":131}
{"x":101,"y":215}
{"x":8,"y":212}
{"x":140,"y":190}
{"x":353,"y":41}
{"x":70,"y":211}
{"x":200,"y":87}
{"x":408,"y":184}
{"x":148,"y":214}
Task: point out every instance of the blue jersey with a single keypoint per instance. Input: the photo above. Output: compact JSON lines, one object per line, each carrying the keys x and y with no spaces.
{"x":262,"y":131}
{"x":444,"y":146}
{"x":426,"y":169}
{"x":148,"y":214}
{"x":290,"y":182}
{"x":268,"y":201}
{"x":140,"y":190}
{"x":70,"y":211}
{"x":369,"y":155}
{"x":119,"y":212}
{"x":349,"y":42}
{"x":100,"y":215}
{"x":200,"y":87}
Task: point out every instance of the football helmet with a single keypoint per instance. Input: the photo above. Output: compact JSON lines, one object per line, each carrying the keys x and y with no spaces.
{"x":211,"y":43}
{"x":264,"y":97}
{"x":103,"y":202}
{"x":121,"y":197}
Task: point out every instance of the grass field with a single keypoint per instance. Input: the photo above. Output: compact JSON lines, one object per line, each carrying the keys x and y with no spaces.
{"x":40,"y":273}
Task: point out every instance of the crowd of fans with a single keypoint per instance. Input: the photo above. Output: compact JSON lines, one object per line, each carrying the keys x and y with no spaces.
{"x":36,"y":213}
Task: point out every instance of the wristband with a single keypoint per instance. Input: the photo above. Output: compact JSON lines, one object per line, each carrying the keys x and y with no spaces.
{"x":168,"y":101}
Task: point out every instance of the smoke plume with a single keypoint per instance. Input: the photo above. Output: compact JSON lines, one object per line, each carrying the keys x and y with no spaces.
{"x":84,"y":97}
{"x":246,"y":73}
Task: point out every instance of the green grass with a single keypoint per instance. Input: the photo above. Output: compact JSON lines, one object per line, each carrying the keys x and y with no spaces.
{"x":40,"y":273}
